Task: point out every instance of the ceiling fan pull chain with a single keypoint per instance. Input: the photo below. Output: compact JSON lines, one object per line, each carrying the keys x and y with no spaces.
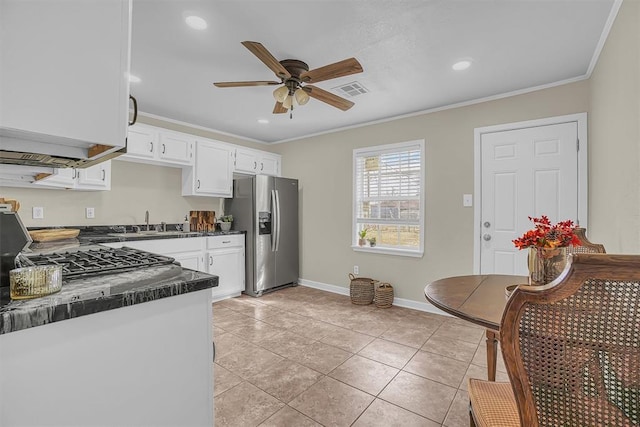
{"x":291,"y":112}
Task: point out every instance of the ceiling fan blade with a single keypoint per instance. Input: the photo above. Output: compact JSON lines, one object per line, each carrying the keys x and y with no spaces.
{"x":279,"y":109}
{"x":332,"y":71}
{"x":265,"y":56}
{"x":240,"y":84}
{"x":328,"y":97}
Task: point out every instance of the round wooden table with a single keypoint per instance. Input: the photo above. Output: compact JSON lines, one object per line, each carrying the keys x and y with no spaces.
{"x":479,"y":299}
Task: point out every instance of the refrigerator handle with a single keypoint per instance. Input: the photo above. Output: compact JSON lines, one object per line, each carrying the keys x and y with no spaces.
{"x":274,"y":215}
{"x":278,"y":221}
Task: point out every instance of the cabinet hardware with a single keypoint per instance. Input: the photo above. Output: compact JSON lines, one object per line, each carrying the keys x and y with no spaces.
{"x":135,"y":111}
{"x":226,"y":241}
{"x":163,"y":148}
{"x":261,"y":166}
{"x":255,"y":165}
{"x":210,"y":260}
{"x":104,"y":174}
{"x":151,"y":146}
{"x":198,"y":187}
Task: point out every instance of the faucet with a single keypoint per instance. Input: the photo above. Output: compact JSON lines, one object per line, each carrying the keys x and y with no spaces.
{"x":146,"y":219}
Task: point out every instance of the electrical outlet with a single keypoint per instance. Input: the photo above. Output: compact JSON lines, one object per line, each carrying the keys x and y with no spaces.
{"x":467,"y":200}
{"x":38,"y":212}
{"x":90,"y":213}
{"x":356,"y":269}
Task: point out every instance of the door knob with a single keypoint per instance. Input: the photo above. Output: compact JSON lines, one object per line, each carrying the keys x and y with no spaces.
{"x":487,"y":237}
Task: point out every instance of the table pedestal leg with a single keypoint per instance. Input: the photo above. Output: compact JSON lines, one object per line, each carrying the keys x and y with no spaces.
{"x":492,"y":353}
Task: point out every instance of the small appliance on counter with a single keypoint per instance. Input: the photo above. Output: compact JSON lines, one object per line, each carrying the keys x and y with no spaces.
{"x":14,"y":238}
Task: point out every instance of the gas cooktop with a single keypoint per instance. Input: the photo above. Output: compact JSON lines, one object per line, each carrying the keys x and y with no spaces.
{"x":94,"y":262}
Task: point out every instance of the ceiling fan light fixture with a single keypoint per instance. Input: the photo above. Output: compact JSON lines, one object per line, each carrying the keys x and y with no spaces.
{"x":301,"y":96}
{"x":288,"y":102}
{"x":281,"y":93}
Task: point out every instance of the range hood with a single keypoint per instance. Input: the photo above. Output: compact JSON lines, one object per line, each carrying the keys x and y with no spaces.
{"x":26,"y":148}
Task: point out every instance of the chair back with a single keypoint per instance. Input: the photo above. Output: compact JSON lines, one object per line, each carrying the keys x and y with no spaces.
{"x":586,"y":247}
{"x":572,"y":348}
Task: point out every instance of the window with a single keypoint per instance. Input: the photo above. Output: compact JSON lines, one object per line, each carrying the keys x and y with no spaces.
{"x":388,"y":198}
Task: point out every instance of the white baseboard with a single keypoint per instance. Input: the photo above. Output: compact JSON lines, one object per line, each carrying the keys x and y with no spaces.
{"x":400,"y":302}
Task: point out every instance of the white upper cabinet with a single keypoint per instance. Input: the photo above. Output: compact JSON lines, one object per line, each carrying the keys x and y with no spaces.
{"x":212,"y":171}
{"x":149,"y":144}
{"x":96,"y":177}
{"x":64,"y":82}
{"x":257,"y":162}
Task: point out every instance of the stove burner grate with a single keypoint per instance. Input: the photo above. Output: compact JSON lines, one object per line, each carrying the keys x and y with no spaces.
{"x":94,"y":262}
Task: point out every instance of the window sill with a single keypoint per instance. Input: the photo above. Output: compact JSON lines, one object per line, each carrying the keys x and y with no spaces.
{"x":388,"y":251}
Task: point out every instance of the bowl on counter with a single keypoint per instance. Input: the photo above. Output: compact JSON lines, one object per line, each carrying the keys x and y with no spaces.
{"x":35,"y":281}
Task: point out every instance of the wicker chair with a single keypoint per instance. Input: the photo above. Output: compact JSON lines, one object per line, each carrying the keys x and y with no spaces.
{"x":572,"y":350}
{"x":586,"y":247}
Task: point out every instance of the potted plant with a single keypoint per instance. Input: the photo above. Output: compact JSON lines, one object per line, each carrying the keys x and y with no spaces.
{"x":372,"y":242}
{"x":547,"y":244}
{"x":225,"y":222}
{"x":362,"y":233}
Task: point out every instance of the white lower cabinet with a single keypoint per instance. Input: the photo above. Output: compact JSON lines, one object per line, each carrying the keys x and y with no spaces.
{"x":190,"y":260}
{"x":96,"y":177}
{"x":225,"y":259}
{"x":221,"y":255}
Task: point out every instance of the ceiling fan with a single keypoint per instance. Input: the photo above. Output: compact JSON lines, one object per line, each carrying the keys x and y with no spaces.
{"x":294,"y":76}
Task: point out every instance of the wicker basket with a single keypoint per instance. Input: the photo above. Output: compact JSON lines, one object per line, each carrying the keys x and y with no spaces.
{"x":383,"y":295}
{"x":361,"y":290}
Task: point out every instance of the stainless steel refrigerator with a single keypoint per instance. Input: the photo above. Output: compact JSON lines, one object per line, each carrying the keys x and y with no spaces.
{"x":267,"y":208}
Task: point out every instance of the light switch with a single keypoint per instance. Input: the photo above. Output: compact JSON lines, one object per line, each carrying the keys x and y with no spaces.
{"x":467,"y":200}
{"x":90,"y":213}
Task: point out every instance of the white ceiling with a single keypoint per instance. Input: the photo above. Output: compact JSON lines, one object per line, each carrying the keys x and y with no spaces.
{"x":405,"y":47}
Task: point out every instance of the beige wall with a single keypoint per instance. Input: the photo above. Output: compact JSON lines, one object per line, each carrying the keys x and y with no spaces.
{"x":135,"y":188}
{"x":323,"y":165}
{"x":614,"y":127}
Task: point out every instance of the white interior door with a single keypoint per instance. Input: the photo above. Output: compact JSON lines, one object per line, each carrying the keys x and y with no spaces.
{"x":530,"y":171}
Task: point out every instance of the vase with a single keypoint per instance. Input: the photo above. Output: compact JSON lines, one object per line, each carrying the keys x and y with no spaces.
{"x":545,"y":264}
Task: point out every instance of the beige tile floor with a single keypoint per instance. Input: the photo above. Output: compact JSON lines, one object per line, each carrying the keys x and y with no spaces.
{"x":303,"y":357}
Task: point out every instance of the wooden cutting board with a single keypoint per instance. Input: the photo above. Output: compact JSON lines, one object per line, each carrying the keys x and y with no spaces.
{"x":53,"y":234}
{"x":202,"y":220}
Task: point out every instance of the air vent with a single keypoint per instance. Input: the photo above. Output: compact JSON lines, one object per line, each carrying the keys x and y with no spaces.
{"x":352,"y":89}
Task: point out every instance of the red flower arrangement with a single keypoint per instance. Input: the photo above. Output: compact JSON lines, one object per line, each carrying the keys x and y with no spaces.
{"x":546,"y":235}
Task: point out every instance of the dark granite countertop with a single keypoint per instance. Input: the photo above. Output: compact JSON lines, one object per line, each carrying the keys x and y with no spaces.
{"x":83,"y":296}
{"x":109,"y":234}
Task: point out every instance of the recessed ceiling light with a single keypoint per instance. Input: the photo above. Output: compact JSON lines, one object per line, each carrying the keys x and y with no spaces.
{"x":263,"y":121}
{"x":461,"y":65}
{"x":134,"y":79}
{"x":196,"y":22}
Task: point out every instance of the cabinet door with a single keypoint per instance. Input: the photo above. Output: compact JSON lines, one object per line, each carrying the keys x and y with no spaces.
{"x":269,"y":165}
{"x":190,"y":260}
{"x":228,"y":265}
{"x":96,"y":177}
{"x":65,"y":67}
{"x":213,"y":169}
{"x":246,"y":161}
{"x":61,"y":178}
{"x":142,"y":142}
{"x":175,"y":148}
